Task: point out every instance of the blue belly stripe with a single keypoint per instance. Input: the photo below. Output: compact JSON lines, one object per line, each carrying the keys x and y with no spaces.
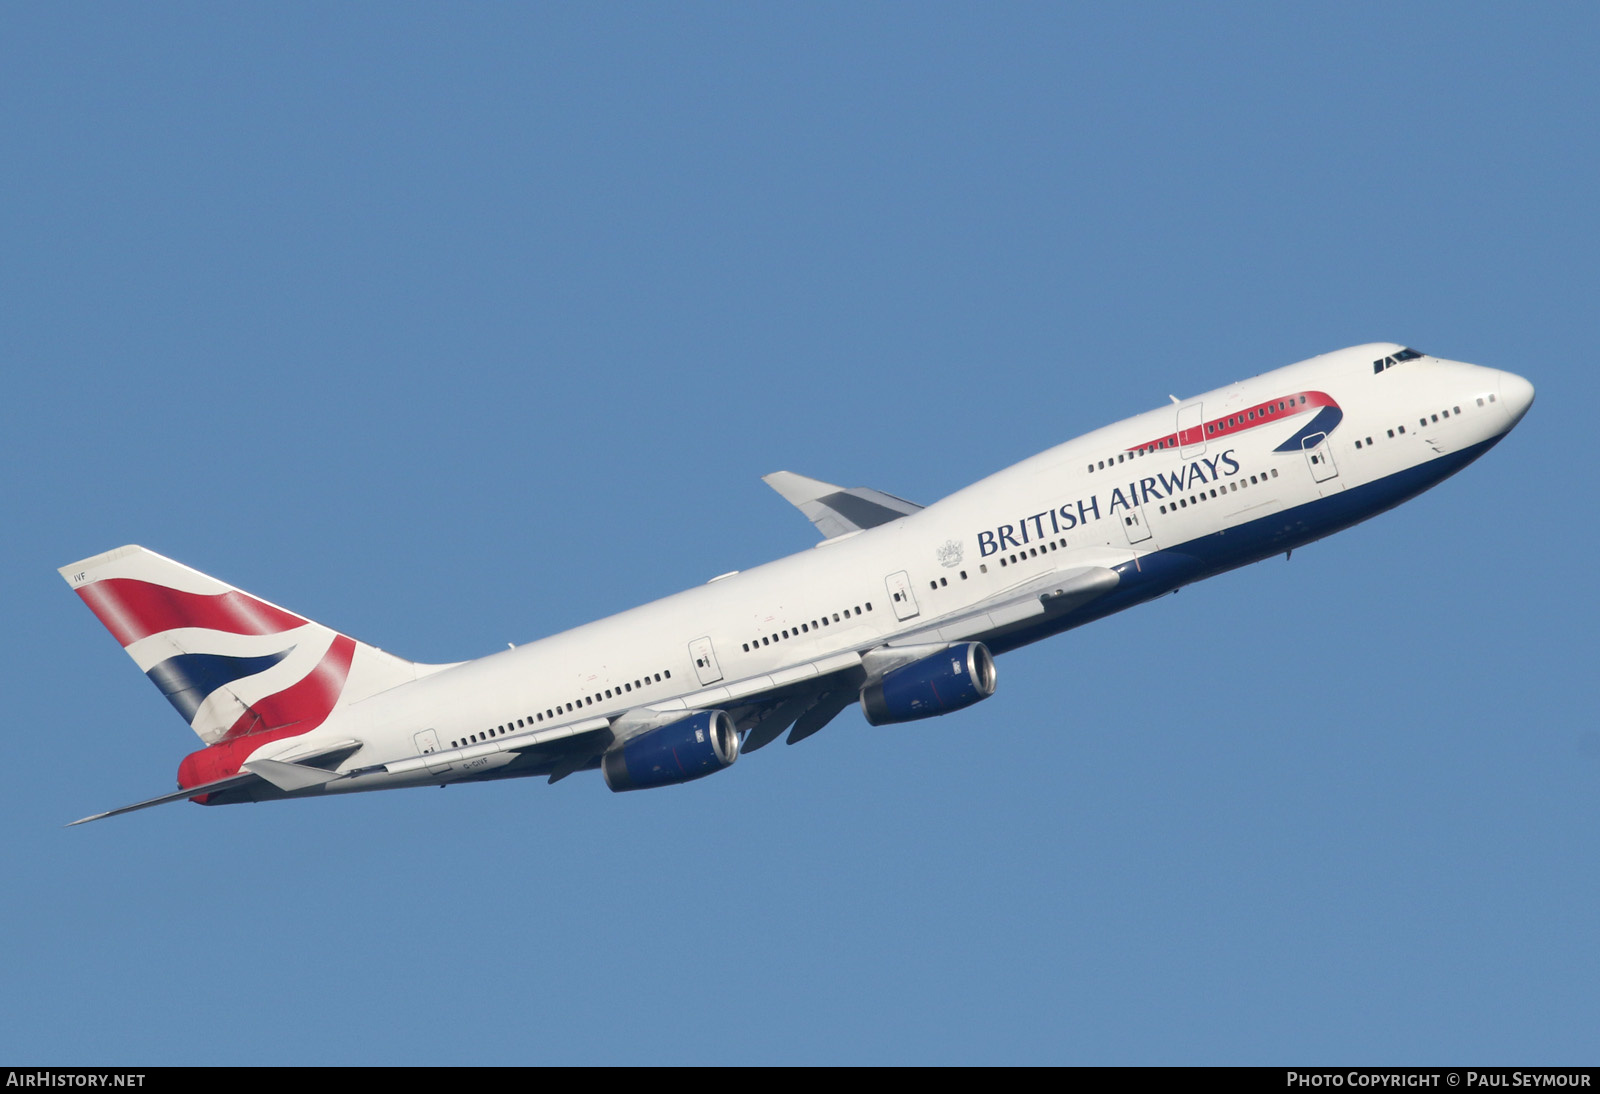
{"x":1161,"y":572}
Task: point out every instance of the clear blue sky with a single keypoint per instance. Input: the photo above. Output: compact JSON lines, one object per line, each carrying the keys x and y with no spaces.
{"x":452,"y":326}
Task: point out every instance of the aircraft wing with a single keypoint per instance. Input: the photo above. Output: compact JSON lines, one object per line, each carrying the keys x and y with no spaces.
{"x":805,"y":697}
{"x":837,"y":510}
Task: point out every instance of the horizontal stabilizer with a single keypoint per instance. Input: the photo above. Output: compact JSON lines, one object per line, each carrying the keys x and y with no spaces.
{"x":837,"y":510}
{"x":177,"y":795}
{"x":287,"y":776}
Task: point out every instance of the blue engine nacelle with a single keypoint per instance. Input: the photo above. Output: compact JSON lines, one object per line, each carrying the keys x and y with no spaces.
{"x":946,"y":681}
{"x":689,"y":748}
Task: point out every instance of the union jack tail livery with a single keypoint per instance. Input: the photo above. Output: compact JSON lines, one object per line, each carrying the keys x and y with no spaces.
{"x":241,"y":671}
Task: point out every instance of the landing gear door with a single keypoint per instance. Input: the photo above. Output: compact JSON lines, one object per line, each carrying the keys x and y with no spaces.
{"x":705,"y":661}
{"x":899,"y":586}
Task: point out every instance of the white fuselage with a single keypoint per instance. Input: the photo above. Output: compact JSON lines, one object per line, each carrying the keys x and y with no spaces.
{"x":1163,"y":498}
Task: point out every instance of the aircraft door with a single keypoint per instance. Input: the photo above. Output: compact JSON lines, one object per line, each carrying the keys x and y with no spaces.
{"x":705,"y":661}
{"x":427,"y":745}
{"x":1133,"y":523}
{"x":1191,"y":430}
{"x":1319,"y":457}
{"x":905,"y":605}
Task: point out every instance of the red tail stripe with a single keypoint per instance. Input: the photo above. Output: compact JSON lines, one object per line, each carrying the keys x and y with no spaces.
{"x":297,"y":709}
{"x":132,"y":609}
{"x":304,"y":706}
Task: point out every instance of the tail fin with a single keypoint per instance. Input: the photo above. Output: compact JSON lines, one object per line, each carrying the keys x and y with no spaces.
{"x":230,"y":663}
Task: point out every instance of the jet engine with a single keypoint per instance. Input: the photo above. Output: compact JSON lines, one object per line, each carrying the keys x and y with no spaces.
{"x":948,"y":680}
{"x":677,"y":752}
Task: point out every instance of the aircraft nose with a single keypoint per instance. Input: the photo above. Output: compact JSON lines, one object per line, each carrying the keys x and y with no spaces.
{"x":1516,"y":396}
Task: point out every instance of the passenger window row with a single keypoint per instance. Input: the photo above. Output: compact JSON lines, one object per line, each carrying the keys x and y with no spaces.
{"x":1423,"y":421}
{"x":1031,"y":552}
{"x":1243,"y":418}
{"x":1112,"y":461}
{"x":804,"y":628}
{"x":1218,"y":491}
{"x":552,"y":713}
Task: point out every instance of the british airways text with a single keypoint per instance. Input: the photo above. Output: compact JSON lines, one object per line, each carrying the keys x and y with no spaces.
{"x":1067,"y":517}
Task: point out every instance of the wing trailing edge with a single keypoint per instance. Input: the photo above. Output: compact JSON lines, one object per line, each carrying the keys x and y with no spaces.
{"x":1053,"y":594}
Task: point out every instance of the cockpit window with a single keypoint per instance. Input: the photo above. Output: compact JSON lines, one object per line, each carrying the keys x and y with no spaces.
{"x":1389,"y":362}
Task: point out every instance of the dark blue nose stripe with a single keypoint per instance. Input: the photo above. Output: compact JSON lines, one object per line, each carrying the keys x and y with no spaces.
{"x":1325,"y":420}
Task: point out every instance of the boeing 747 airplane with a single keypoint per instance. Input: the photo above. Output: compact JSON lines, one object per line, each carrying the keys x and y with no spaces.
{"x":900,"y":608}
